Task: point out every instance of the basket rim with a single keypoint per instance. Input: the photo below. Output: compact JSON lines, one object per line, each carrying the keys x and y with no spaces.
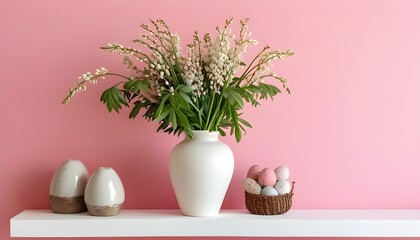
{"x":269,"y":197}
{"x":275,"y":196}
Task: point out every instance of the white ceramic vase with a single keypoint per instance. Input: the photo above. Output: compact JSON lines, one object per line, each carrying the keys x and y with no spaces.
{"x":201,"y":169}
{"x":104,"y":193}
{"x":68,"y":186}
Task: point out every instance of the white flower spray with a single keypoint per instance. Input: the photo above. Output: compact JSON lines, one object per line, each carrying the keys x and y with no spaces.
{"x":197,"y":90}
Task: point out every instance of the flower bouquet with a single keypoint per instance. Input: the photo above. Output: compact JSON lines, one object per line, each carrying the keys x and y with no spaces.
{"x":202,"y":89}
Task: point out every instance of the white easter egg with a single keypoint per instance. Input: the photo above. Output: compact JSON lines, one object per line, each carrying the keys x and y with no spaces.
{"x":67,"y":187}
{"x":69,"y":180}
{"x":282,"y":172}
{"x":283,"y":186}
{"x":251,"y":186}
{"x":104,"y":193}
{"x":269,"y":191}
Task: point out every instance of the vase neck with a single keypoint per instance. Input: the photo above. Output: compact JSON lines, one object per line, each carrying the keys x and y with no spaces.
{"x":205,"y":136}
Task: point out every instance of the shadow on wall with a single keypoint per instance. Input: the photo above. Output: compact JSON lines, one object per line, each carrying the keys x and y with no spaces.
{"x":145,"y":174}
{"x":143,"y":168}
{"x":34,"y":177}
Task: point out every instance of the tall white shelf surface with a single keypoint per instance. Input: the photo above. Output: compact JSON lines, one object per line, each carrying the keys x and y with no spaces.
{"x":237,"y":223}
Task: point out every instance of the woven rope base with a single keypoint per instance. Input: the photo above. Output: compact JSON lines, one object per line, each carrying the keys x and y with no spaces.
{"x":67,"y":205}
{"x":268,"y":205}
{"x":104,"y":211}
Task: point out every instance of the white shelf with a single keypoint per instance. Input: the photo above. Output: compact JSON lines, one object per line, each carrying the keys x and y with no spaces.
{"x":238,"y":223}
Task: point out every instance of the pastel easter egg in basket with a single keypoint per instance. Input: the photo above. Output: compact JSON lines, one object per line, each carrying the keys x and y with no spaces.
{"x":254,"y":171}
{"x":251,"y":186}
{"x":267,"y":177}
{"x":283,"y":186}
{"x":282,"y":172}
{"x":269,"y":191}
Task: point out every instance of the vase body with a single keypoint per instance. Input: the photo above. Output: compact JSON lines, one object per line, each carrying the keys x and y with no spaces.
{"x":68,"y":186}
{"x":104,"y":193}
{"x":201,"y":169}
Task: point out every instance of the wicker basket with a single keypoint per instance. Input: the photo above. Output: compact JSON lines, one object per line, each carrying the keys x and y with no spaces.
{"x":269,"y":205}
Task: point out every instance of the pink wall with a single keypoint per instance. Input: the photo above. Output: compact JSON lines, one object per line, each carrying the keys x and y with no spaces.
{"x":349,"y":131}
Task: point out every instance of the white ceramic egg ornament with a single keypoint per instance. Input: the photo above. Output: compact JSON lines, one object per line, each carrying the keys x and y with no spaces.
{"x":283,"y":186}
{"x":251,"y":186}
{"x":104,"y":193}
{"x":67,"y":187}
{"x":282,"y":172}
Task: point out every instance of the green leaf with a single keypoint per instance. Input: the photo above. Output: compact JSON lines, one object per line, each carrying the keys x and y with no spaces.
{"x":144,"y":86}
{"x":136,"y":109}
{"x":104,"y":96}
{"x":233,"y":96}
{"x":190,"y":114}
{"x":173,"y":101}
{"x":177,"y":131}
{"x":238,"y":99}
{"x":105,"y":99}
{"x":273,"y":88}
{"x":169,"y":130}
{"x":150,"y":112}
{"x":238,"y":133}
{"x":235,"y":128}
{"x":186,"y":98}
{"x":267,"y":90}
{"x":222,"y":132}
{"x":236,"y":81}
{"x":245,"y":122}
{"x":163,"y":115}
{"x":172,"y":116}
{"x":183,"y":120}
{"x":184,"y":88}
{"x":249,"y":98}
{"x":163,"y":126}
{"x":135,"y":85}
{"x":119,"y":97}
{"x":252,"y":89}
{"x":162,"y":103}
{"x":128,"y":85}
{"x":113,"y":98}
{"x":181,"y":101}
{"x":234,"y":115}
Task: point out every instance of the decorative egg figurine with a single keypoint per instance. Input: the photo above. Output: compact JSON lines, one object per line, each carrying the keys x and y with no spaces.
{"x":254,"y":171}
{"x":283,"y":186}
{"x":67,"y":187}
{"x":251,"y":186}
{"x":269,"y":191}
{"x":267,"y":177}
{"x":104,"y":193}
{"x":282,"y":172}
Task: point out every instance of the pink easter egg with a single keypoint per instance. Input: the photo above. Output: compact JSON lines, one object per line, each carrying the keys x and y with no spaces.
{"x":282,"y":172}
{"x":254,"y":171}
{"x":267,"y":177}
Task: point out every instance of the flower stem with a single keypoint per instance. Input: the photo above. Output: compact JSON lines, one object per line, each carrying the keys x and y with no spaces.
{"x":246,"y":70}
{"x":210,"y":110}
{"x":220,"y":116}
{"x":215,"y":115}
{"x":116,"y":74}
